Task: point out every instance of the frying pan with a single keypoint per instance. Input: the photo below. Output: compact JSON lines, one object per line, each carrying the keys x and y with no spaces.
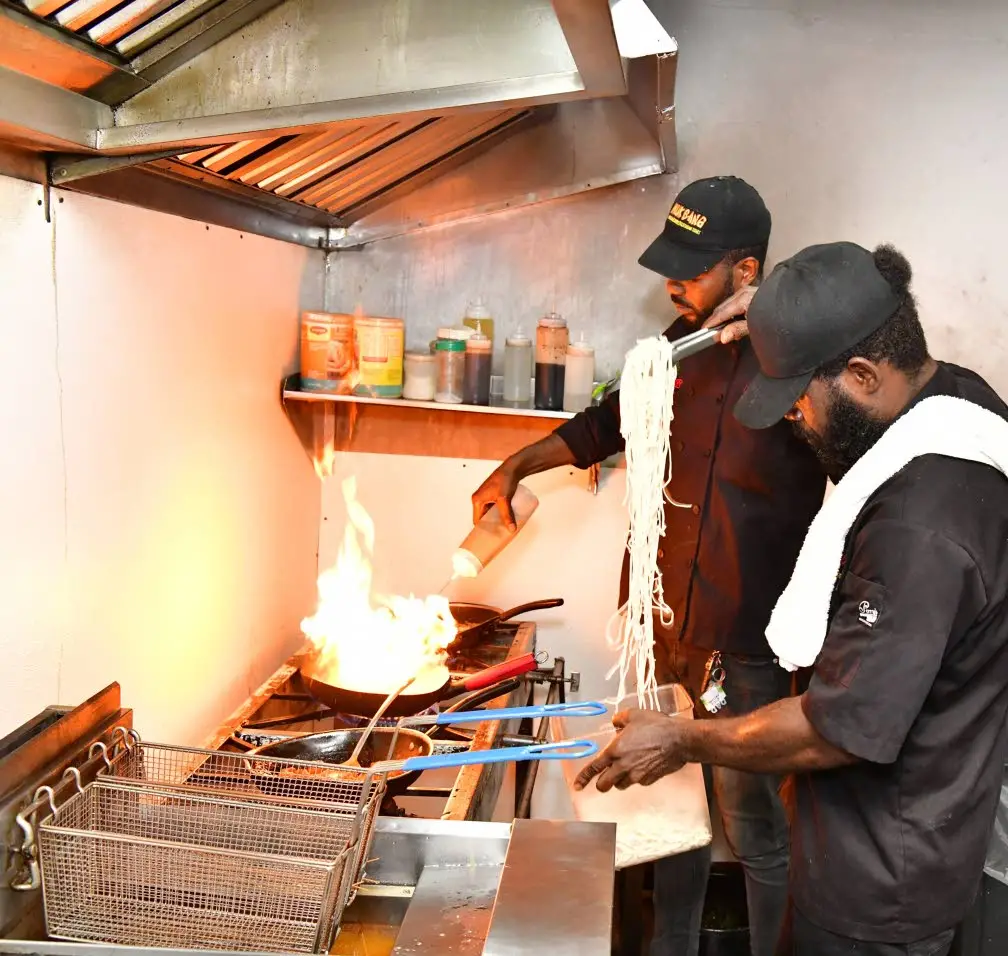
{"x":364,"y":704}
{"x":414,"y":751}
{"x":476,"y":621}
{"x":336,"y":746}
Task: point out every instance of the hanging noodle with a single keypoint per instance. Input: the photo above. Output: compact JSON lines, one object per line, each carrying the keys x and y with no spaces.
{"x":647,"y":387}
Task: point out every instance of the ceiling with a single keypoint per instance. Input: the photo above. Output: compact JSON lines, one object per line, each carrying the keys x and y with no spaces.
{"x":334,"y":122}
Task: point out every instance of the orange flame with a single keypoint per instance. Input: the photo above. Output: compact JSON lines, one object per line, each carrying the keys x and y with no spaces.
{"x":375,"y":645}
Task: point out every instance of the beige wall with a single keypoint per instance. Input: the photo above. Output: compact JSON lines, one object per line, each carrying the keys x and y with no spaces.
{"x":158,"y":518}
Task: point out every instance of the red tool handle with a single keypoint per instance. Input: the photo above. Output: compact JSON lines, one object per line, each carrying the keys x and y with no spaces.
{"x":499,"y":672}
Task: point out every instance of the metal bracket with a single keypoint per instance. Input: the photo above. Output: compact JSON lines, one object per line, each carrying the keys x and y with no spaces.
{"x":67,"y":167}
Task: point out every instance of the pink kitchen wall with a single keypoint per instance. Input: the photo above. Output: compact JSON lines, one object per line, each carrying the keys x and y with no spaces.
{"x":158,"y":518}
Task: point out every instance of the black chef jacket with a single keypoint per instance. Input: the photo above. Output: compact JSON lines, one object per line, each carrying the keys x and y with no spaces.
{"x":913,"y":679}
{"x":751,"y":495}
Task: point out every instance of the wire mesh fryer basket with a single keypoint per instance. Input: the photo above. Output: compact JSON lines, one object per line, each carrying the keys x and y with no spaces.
{"x":260,"y":779}
{"x":138,"y":866}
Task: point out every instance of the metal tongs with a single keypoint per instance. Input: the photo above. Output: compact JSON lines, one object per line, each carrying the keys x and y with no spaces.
{"x":695,"y":342}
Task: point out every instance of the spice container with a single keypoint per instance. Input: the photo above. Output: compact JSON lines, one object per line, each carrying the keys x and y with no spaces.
{"x":518,"y":369}
{"x":420,"y":371}
{"x":478,"y":318}
{"x":490,"y":536}
{"x":379,"y":357}
{"x":552,"y":339}
{"x":478,"y":359}
{"x":327,"y":352}
{"x":450,"y":348}
{"x":579,"y":376}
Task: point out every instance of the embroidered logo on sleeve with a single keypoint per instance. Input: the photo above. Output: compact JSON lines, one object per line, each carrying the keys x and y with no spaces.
{"x":867,"y":614}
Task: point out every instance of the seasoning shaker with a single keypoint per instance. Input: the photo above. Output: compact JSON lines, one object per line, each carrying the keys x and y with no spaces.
{"x":420,"y":370}
{"x":518,"y":369}
{"x":552,"y":338}
{"x":478,"y":359}
{"x":450,"y":350}
{"x":579,"y":376}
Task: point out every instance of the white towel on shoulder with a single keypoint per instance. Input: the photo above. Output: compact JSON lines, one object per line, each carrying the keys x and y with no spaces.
{"x":940,"y":425}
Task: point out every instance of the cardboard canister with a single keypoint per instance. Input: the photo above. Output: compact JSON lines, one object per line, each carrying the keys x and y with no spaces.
{"x":328,"y":357}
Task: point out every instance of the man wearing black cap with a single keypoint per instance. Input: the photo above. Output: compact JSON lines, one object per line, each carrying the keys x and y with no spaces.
{"x":900,"y":601}
{"x":725,"y":559}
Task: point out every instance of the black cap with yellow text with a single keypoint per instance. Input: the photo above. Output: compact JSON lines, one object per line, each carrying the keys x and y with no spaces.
{"x":709,"y":218}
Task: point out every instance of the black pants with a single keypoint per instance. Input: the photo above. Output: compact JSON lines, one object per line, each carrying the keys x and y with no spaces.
{"x":807,"y":939}
{"x":752,"y":815}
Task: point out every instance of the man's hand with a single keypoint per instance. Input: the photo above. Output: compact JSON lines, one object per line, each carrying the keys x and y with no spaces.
{"x":648,"y":746}
{"x":497,"y":490}
{"x":732,"y":307}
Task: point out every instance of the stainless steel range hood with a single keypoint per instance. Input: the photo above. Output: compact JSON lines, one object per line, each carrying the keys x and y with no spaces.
{"x":334,"y":122}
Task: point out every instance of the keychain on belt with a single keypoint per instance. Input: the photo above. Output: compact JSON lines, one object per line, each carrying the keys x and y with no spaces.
{"x":713,"y":696}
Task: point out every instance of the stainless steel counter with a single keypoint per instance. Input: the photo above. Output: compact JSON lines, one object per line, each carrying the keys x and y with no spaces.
{"x":461,"y":887}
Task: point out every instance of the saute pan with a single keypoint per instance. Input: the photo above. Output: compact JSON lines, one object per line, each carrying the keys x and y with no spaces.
{"x":338,"y":745}
{"x":476,"y":621}
{"x":411,"y":701}
{"x":414,"y":751}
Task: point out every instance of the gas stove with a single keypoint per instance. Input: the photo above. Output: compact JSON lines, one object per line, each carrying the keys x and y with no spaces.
{"x":282,"y":708}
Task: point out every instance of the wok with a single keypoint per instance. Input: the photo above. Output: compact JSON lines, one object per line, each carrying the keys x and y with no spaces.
{"x":336,"y":746}
{"x":411,"y":701}
{"x":476,"y":621}
{"x":414,"y":751}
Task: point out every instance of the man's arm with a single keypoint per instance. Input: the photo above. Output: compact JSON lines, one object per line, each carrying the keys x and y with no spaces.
{"x":777,"y":738}
{"x":499,"y":488}
{"x":590,"y":436}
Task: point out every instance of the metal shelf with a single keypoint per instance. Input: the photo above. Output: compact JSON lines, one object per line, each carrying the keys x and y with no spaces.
{"x":293,"y":392}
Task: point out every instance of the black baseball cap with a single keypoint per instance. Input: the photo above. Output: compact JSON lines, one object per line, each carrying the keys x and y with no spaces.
{"x":709,"y":218}
{"x":813,"y":307}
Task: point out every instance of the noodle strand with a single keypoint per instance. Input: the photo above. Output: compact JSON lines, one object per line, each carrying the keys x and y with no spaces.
{"x":647,"y":389}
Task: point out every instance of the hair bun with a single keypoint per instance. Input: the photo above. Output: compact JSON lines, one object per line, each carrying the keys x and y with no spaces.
{"x":894,"y":268}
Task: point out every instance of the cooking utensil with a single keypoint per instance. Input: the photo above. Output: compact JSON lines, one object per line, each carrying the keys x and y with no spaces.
{"x":374,"y":722}
{"x":364,"y":704}
{"x":334,"y":747}
{"x":476,"y":621}
{"x":407,"y":760}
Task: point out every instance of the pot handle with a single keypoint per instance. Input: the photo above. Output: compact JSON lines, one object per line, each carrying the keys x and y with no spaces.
{"x":531,"y":606}
{"x":558,"y":750}
{"x":492,"y":675}
{"x":590,"y":709}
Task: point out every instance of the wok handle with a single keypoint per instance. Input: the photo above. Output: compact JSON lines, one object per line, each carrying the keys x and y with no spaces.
{"x":559,"y":750}
{"x":492,"y":675}
{"x":571,"y":709}
{"x":531,"y":606}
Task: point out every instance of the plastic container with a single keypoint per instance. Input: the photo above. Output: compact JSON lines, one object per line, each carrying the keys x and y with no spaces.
{"x":552,"y":339}
{"x":488,"y":538}
{"x":420,"y":372}
{"x":327,"y":352}
{"x":668,"y":817}
{"x":450,"y":370}
{"x":579,"y":376}
{"x":379,"y":356}
{"x":478,"y":318}
{"x":478,"y":359}
{"x":518,"y":369}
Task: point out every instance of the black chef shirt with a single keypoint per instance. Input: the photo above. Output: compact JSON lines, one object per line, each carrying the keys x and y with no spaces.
{"x":751,"y":496}
{"x":892,"y":848}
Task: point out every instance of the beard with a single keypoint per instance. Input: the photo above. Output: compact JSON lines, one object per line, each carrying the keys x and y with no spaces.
{"x":849,"y":434}
{"x":694,"y":314}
